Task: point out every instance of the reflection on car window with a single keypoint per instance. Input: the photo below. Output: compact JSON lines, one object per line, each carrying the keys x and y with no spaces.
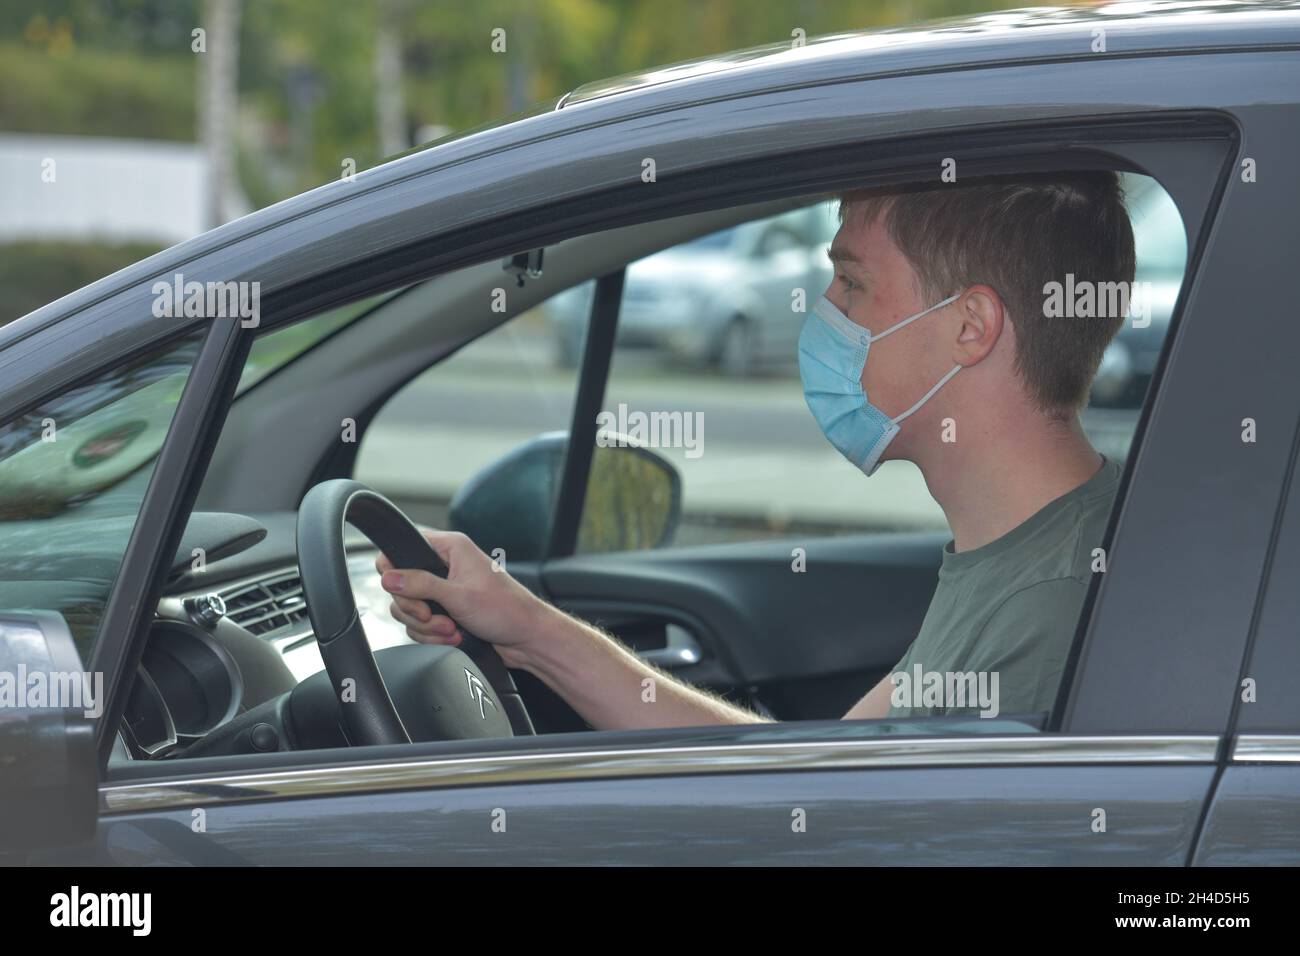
{"x":73,"y":472}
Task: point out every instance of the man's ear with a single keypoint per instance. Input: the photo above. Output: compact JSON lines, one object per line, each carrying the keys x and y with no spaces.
{"x":982,"y":315}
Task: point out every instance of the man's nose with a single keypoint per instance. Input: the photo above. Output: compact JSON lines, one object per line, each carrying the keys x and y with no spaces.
{"x":841,"y":301}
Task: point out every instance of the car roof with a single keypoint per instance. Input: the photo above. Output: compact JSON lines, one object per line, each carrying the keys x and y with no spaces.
{"x":1035,"y":33}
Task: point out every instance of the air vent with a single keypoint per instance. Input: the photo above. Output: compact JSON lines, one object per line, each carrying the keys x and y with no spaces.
{"x":272,"y":604}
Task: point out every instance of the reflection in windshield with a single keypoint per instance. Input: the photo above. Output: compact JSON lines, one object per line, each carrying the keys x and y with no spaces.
{"x":69,"y":449}
{"x":73,"y":473}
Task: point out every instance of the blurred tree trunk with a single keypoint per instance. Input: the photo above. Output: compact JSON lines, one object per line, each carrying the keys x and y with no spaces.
{"x":390,"y":109}
{"x":218,"y":100}
{"x":520,"y":45}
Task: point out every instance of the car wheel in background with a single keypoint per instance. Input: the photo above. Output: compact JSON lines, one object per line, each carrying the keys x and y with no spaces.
{"x":738,"y":349}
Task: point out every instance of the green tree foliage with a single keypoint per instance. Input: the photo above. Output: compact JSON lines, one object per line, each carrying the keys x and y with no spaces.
{"x":35,"y":273}
{"x":124,"y":67}
{"x":307,"y":77}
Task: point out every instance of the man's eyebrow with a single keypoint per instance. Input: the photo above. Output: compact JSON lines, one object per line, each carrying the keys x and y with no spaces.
{"x":840,"y":254}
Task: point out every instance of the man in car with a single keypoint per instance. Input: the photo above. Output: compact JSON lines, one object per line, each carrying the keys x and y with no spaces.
{"x":933,"y":344}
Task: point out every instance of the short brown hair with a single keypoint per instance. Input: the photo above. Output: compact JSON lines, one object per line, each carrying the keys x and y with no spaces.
{"x":1016,"y":235}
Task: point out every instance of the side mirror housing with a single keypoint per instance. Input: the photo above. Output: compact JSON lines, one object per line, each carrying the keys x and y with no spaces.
{"x":633,"y":498}
{"x":48,"y":763}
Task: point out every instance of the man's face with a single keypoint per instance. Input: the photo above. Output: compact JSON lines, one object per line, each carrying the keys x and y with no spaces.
{"x":876,"y":287}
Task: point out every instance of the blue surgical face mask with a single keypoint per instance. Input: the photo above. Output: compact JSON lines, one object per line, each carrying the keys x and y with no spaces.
{"x":832,"y":353}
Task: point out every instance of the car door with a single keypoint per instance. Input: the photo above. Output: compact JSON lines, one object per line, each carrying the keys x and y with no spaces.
{"x":1252,"y":819}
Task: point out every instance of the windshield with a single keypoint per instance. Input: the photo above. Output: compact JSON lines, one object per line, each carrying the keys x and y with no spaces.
{"x":273,"y":351}
{"x":73,"y":472}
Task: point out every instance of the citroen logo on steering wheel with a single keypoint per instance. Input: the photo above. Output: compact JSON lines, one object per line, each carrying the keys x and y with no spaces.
{"x":476,"y":690}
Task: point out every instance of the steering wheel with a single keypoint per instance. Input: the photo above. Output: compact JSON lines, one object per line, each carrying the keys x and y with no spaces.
{"x":445,"y":692}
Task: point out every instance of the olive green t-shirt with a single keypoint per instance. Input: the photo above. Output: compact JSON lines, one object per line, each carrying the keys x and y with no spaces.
{"x":999,"y":628}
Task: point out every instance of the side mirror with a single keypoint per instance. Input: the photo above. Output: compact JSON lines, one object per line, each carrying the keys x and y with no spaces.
{"x":633,"y":499}
{"x":48,"y":765}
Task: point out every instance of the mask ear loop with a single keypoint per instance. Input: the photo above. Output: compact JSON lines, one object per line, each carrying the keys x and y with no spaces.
{"x":947,"y":377}
{"x":930,"y":394}
{"x":938,"y":305}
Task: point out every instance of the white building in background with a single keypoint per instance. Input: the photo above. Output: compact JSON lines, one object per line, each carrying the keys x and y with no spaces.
{"x":103,"y":189}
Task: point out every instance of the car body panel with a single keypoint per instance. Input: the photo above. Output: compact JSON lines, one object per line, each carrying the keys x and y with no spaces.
{"x":830,"y":792}
{"x":897,"y":817}
{"x":1253,"y":818}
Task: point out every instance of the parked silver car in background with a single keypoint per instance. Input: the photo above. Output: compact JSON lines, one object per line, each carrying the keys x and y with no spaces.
{"x":723,"y":299}
{"x":1161,"y":241}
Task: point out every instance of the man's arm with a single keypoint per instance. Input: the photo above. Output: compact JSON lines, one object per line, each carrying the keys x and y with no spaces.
{"x":608,"y":685}
{"x":612,"y":688}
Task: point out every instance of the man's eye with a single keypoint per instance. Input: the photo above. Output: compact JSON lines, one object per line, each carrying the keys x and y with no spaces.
{"x":848,"y":283}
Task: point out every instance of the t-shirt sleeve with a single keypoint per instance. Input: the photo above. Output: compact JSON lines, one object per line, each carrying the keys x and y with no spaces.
{"x":1025,"y":643}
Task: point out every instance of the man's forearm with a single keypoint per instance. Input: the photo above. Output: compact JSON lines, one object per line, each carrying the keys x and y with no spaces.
{"x":610,"y":687}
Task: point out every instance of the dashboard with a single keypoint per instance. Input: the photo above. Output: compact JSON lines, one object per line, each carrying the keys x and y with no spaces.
{"x":271,"y":606}
{"x":229,"y":638}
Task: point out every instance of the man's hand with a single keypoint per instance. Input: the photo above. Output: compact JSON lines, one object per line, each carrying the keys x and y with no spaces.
{"x":477,"y":594}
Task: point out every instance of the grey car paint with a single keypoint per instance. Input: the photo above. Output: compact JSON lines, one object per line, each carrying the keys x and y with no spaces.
{"x":1172,"y":617}
{"x":902,"y":817}
{"x":1252,"y":820}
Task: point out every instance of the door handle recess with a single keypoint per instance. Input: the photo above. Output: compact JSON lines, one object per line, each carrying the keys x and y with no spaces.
{"x":681,"y":649}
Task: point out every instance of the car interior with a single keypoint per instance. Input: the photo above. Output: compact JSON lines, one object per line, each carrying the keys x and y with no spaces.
{"x":458,"y":411}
